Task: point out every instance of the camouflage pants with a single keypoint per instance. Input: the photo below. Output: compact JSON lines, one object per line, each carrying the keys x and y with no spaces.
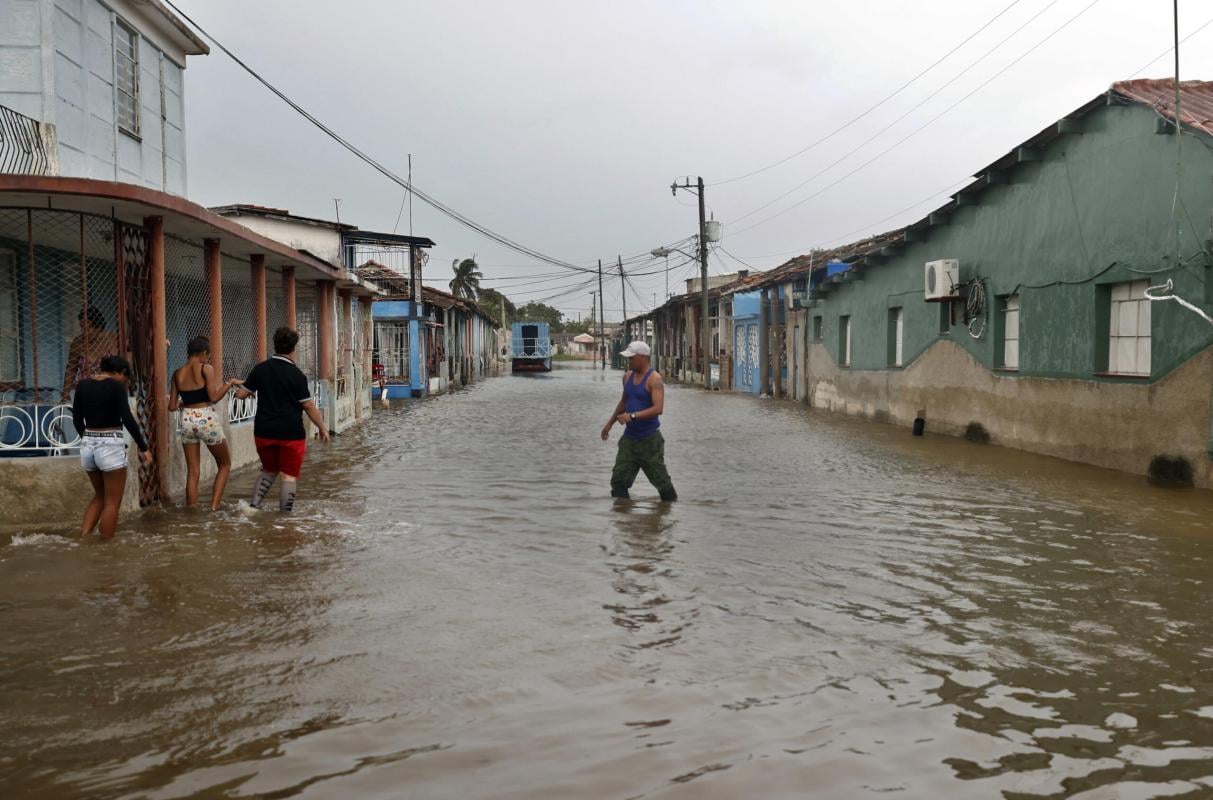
{"x":635,"y":455}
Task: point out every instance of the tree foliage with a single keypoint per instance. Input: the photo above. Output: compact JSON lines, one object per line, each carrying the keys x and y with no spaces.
{"x":490,"y":300}
{"x":466,"y":282}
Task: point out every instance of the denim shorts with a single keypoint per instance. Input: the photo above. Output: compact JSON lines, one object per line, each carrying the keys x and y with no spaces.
{"x":103,"y":451}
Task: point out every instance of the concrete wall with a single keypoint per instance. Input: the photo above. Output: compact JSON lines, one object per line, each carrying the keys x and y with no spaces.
{"x":322,"y":242}
{"x":1115,"y":425}
{"x":57,"y":66}
{"x":54,"y":491}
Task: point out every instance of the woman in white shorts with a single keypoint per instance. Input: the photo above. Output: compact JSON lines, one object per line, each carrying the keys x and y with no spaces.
{"x":100,"y":409}
{"x":196,"y":389}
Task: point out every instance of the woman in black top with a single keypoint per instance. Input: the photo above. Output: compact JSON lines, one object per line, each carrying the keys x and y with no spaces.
{"x":200,"y":422}
{"x":100,"y":410}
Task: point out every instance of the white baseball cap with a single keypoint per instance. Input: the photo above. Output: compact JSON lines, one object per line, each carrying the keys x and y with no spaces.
{"x":636,"y":349}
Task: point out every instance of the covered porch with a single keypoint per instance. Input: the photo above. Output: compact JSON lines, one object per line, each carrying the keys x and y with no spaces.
{"x":92,"y":268}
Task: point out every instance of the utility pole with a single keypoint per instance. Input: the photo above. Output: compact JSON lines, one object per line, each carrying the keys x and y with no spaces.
{"x":601,"y":317}
{"x":623,"y":294}
{"x":704,"y":327}
{"x":593,"y":317}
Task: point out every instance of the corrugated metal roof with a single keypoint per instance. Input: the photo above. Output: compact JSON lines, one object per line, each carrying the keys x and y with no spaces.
{"x":1195,"y":99}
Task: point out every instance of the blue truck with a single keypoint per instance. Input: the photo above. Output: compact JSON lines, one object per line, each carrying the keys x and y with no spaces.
{"x":531,"y":347}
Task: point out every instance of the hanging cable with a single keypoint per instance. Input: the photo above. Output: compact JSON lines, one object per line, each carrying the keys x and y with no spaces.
{"x":924,"y":126}
{"x":869,"y":110}
{"x":379,"y":167}
{"x":895,"y":122}
{"x":975,"y":307}
{"x":1169,"y":288}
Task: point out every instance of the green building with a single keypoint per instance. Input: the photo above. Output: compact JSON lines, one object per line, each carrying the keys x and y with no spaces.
{"x":1038,"y":328}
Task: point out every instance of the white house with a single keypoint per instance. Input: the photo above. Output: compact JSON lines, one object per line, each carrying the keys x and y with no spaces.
{"x":109,"y":77}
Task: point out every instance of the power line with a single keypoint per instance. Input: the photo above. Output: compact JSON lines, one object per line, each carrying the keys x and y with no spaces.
{"x":898,"y":91}
{"x":379,"y":167}
{"x":924,"y":126}
{"x":1167,"y":52}
{"x":893,"y":124}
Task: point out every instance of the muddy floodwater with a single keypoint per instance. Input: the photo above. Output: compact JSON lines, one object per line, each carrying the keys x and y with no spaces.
{"x":458,"y":610}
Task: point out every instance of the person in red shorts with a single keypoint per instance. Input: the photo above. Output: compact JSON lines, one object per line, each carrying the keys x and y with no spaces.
{"x":283,"y":398}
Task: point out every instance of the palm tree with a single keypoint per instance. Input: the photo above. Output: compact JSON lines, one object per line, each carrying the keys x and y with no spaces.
{"x":466,"y":282}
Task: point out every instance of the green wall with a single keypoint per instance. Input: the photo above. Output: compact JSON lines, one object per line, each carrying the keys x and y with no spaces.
{"x":1096,"y":205}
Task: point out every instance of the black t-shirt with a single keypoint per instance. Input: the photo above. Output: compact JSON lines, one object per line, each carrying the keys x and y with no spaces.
{"x":282,"y":390}
{"x":102,"y":403}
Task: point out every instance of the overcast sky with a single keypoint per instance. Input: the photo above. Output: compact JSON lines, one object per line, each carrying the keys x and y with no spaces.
{"x":561,"y":124}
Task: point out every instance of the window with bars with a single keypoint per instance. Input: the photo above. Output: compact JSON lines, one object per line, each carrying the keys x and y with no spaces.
{"x":126,"y":74}
{"x":1129,"y":329}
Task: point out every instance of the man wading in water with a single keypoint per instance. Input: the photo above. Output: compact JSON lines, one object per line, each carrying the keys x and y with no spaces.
{"x":639,"y":410}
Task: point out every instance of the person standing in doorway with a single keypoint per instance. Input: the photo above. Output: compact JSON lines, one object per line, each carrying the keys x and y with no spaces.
{"x":196,"y":389}
{"x":100,"y":410}
{"x":282,"y":400}
{"x":639,"y":410}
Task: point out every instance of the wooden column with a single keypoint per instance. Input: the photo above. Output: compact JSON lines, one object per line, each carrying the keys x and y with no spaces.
{"x":259,"y":313}
{"x":325,"y":329}
{"x":154,"y":226}
{"x":214,"y":283}
{"x":288,"y":296}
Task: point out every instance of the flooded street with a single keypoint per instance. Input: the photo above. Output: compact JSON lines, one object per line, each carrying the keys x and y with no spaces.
{"x":459,"y":610}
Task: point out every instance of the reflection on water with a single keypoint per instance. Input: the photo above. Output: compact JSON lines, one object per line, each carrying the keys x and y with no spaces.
{"x":458,"y":609}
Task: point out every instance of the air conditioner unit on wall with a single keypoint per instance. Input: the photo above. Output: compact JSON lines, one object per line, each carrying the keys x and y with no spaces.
{"x":942,"y":280}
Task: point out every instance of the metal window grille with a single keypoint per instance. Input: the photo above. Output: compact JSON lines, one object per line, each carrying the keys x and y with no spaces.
{"x":24,"y":146}
{"x":307,"y":309}
{"x":275,"y":305}
{"x":391,"y":352}
{"x":59,"y":316}
{"x":126,"y":73}
{"x":186,"y":297}
{"x":239,"y":321}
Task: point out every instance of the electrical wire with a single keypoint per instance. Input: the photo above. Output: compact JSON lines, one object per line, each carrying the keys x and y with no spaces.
{"x":895,"y":122}
{"x":924,"y":126}
{"x":1169,"y":288}
{"x":1167,"y":52}
{"x":869,"y":110}
{"x":430,"y":200}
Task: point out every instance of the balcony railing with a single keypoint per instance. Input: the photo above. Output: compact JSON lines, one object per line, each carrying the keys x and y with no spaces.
{"x":533,"y":350}
{"x":27,"y":146}
{"x":40,"y":429}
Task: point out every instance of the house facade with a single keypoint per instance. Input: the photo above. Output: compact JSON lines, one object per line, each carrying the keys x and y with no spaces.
{"x":104,"y":84}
